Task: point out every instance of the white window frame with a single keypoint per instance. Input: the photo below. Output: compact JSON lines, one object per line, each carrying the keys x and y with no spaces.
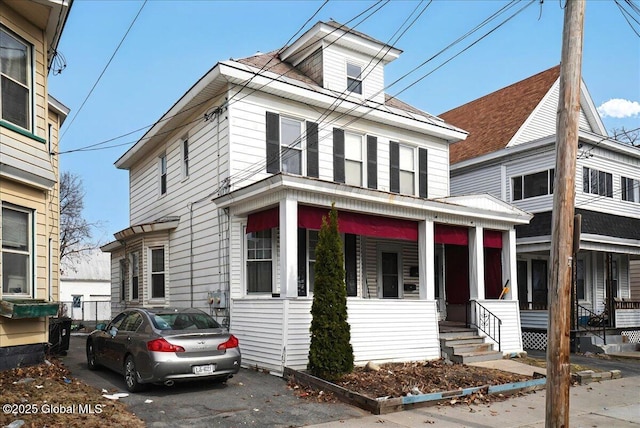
{"x":151,"y":272}
{"x":285,"y":147}
{"x":310,"y":260}
{"x":413,"y":150}
{"x":361,"y":161}
{"x":246,"y":260}
{"x":29,"y":84}
{"x":30,"y":252}
{"x":353,"y":78}
{"x":162,"y":169}
{"x":184,"y":156}
{"x":635,"y":189}
{"x":522,"y":178}
{"x":134,"y":272}
{"x":588,"y":170}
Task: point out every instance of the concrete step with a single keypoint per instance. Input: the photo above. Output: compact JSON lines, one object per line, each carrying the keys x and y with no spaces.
{"x":461,"y":341}
{"x":474,"y":357}
{"x":467,"y":348}
{"x":458,"y":334}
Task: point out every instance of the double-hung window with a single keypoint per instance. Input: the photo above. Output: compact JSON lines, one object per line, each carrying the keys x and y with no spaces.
{"x":163,"y":174}
{"x":581,"y":289}
{"x":185,"y":158}
{"x":17,"y":251}
{"x":259,"y":262}
{"x":354,"y":78}
{"x":630,"y":189}
{"x":123,"y":272}
{"x":407,"y":170}
{"x":532,"y":185}
{"x":291,"y":145}
{"x":157,"y":273}
{"x":353,"y":165}
{"x":16,"y":80}
{"x":597,"y":182}
{"x":313,"y":243}
{"x":135,"y":275}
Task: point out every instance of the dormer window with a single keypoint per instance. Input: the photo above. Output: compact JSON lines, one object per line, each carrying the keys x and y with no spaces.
{"x":354,"y":78}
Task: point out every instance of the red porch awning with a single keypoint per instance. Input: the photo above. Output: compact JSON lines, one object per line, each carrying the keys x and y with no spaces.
{"x":453,"y":235}
{"x":492,"y":239}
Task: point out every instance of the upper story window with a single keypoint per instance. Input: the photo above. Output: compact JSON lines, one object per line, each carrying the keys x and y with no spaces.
{"x":291,"y":145}
{"x":597,"y":182}
{"x":289,"y":142}
{"x":259,"y":262}
{"x":532,"y":185}
{"x":353,"y":156}
{"x":407,"y":165}
{"x":185,"y":158}
{"x":354,"y":78}
{"x":157,"y":273}
{"x":163,"y":174}
{"x":407,"y":170}
{"x":630,"y":189}
{"x":17,"y":251}
{"x":15,"y":72}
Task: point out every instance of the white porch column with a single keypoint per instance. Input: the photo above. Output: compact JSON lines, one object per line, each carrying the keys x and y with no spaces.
{"x":509,"y":263}
{"x":476,"y":263}
{"x":288,"y":247}
{"x":426,"y":260}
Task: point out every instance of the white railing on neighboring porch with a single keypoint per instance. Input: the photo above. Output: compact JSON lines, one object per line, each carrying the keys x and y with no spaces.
{"x":274,"y":333}
{"x":627,"y":313}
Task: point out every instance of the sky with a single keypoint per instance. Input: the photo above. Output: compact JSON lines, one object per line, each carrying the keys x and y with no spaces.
{"x":173,"y":43}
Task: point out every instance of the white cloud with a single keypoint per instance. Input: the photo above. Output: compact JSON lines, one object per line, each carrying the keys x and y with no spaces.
{"x":619,"y":108}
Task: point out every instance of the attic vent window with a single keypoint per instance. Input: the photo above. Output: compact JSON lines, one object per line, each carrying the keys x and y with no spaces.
{"x":354,"y":79}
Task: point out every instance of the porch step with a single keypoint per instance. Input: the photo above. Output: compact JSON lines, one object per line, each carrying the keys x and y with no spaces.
{"x":474,"y":357}
{"x":464,"y":345}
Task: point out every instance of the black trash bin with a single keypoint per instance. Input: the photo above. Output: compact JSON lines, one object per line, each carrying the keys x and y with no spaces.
{"x":59,"y":335}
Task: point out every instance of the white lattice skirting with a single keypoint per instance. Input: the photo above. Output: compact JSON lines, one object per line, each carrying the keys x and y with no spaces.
{"x":633,"y":335}
{"x":534,"y":340}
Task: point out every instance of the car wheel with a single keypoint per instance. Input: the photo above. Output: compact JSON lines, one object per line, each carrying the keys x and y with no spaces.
{"x":91,"y":357}
{"x":131,"y":375}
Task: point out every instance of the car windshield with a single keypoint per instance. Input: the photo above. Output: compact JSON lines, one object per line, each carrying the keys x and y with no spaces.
{"x":184,"y":321}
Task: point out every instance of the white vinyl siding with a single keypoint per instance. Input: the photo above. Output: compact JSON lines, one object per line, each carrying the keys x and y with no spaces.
{"x":510,"y":330}
{"x":483,"y":180}
{"x":335,"y":77}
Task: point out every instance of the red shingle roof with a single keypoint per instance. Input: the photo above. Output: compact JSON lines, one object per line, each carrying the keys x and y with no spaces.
{"x":495,"y":118}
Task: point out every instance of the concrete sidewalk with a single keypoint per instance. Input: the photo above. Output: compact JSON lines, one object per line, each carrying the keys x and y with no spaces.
{"x":614,"y":403}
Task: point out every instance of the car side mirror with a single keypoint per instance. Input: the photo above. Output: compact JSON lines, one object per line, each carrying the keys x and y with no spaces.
{"x":113,"y":331}
{"x":101,"y":326}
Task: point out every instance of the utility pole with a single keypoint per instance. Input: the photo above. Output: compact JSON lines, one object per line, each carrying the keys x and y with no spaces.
{"x":558,"y":367}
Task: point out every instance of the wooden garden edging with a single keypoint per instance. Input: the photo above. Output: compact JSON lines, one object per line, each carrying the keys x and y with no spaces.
{"x":382,"y":406}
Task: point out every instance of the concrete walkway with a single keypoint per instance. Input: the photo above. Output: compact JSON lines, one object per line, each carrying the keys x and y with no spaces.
{"x":614,"y":403}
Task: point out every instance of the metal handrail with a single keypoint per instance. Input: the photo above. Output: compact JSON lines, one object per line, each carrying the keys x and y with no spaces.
{"x":484,"y":320}
{"x":592,"y":322}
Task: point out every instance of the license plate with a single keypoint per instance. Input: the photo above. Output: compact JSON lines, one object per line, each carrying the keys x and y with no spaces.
{"x":204,"y":370}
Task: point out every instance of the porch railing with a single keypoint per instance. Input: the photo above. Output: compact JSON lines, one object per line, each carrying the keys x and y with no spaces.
{"x":485,"y":320}
{"x":592,"y":322}
{"x":627,"y":304}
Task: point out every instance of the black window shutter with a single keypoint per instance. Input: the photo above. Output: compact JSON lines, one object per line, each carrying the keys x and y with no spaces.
{"x":422,"y":171}
{"x":302,"y":262}
{"x":394,"y":167}
{"x":350,"y":264}
{"x":338,"y":155}
{"x":372,"y":162}
{"x":312,"y":149}
{"x":273,"y":143}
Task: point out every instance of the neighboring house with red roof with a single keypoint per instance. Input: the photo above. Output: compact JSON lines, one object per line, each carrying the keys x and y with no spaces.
{"x":228,"y":188}
{"x":510,"y":154}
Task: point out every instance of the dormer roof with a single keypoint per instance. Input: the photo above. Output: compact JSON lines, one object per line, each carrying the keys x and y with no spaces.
{"x":341,"y":35}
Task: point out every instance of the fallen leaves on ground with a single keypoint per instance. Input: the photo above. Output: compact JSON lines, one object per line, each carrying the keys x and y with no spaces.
{"x":401,"y":379}
{"x":46,"y":395}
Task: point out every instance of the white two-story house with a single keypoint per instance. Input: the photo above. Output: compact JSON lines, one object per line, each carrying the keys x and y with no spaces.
{"x":228,"y":190}
{"x":510,"y":154}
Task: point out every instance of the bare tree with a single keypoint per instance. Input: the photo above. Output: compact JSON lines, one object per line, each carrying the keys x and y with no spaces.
{"x":626,"y":136}
{"x":75,"y":231}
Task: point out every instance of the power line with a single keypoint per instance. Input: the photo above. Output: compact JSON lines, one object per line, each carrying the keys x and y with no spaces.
{"x":104,"y":70}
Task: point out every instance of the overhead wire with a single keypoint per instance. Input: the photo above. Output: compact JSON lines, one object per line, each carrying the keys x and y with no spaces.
{"x":104,"y":70}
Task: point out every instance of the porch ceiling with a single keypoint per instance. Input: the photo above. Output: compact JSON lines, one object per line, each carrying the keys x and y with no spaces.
{"x":267,"y":193}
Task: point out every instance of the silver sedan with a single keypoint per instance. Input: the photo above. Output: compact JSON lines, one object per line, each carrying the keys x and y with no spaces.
{"x":164,"y":346}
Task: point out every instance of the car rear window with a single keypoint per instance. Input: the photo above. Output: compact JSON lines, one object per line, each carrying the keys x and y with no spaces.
{"x":184,"y":321}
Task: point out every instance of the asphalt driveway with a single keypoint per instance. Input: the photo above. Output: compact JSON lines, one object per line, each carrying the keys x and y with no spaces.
{"x":251,"y":398}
